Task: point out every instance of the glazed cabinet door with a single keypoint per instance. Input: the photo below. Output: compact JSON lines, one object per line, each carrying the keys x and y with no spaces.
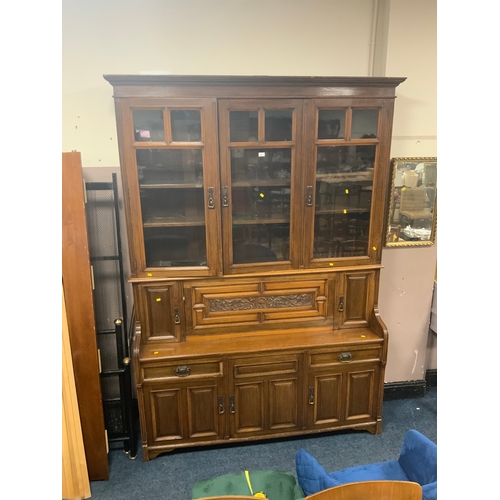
{"x":264,"y":395}
{"x":183,"y":403}
{"x":344,"y":181}
{"x":171,"y":174}
{"x":260,"y":148}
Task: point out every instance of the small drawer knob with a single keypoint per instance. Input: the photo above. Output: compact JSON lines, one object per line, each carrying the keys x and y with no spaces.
{"x":182,"y":371}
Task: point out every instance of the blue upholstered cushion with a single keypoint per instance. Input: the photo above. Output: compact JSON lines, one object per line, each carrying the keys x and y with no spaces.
{"x":417,"y":462}
{"x":419,"y":458}
{"x":311,"y":475}
{"x":380,"y":471}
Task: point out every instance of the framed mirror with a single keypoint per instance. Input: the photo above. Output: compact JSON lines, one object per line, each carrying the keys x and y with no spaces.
{"x":412,"y":202}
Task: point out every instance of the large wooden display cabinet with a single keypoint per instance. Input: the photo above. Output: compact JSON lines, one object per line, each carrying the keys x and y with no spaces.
{"x":255,"y":211}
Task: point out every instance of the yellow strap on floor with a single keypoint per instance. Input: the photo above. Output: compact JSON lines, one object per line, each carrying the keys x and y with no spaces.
{"x":259,"y":494}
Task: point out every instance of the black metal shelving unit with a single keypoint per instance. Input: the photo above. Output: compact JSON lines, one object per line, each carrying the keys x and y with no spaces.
{"x":110,"y":306}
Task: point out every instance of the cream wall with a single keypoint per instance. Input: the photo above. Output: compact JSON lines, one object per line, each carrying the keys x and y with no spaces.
{"x":274,"y":37}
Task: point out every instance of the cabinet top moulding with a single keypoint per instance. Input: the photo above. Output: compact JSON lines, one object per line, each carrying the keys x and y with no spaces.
{"x":228,"y":85}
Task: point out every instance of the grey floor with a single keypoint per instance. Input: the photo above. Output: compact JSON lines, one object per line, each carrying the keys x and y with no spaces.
{"x":171,"y":476}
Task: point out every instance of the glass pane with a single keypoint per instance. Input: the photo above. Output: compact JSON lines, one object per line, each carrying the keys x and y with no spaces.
{"x":175,"y":246}
{"x":331,"y":124}
{"x":279,"y":125}
{"x":169,"y":166}
{"x":364,"y":123}
{"x":243,"y":126}
{"x":344,"y":182}
{"x":148,"y":125}
{"x":186,"y":125}
{"x":261,"y":204}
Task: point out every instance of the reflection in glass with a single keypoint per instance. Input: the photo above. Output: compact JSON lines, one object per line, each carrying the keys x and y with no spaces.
{"x":175,"y":246}
{"x":260,"y":194}
{"x":364,"y":123}
{"x":278,"y":125}
{"x":344,"y":183}
{"x":331,"y":124}
{"x":186,"y":125}
{"x":169,"y":166}
{"x":412,"y":216}
{"x":148,"y":125}
{"x":243,"y":126}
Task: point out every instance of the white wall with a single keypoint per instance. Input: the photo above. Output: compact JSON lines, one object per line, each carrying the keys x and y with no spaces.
{"x":274,"y":37}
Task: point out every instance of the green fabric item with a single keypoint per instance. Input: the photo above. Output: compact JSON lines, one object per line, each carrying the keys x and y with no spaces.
{"x":275,"y":485}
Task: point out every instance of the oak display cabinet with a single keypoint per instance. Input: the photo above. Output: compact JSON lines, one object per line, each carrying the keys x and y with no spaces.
{"x":255,"y":213}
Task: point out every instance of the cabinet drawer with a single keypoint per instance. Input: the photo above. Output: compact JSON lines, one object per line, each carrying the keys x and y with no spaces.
{"x":184,"y":370}
{"x":268,"y":365}
{"x":260,"y":303}
{"x":343,"y":356}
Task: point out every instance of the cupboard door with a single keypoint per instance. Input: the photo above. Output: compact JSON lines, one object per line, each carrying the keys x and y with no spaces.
{"x":264,"y":396}
{"x":172,"y":179}
{"x":260,"y":175}
{"x":162,"y":312}
{"x":356,"y":298}
{"x":361,"y":393}
{"x":188,"y":411}
{"x":325,"y":401}
{"x":340,"y":167}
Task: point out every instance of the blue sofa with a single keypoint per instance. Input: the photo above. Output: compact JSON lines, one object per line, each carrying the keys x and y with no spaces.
{"x":417,"y":462}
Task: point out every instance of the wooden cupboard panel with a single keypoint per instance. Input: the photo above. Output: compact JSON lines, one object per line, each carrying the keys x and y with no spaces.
{"x":258,"y":303}
{"x":283,"y":411}
{"x":202,"y":412}
{"x":166,"y":415}
{"x":269,"y":365}
{"x":249,"y":408}
{"x":325,"y":405}
{"x":357,"y":295}
{"x":161,"y":311}
{"x":360,"y":394}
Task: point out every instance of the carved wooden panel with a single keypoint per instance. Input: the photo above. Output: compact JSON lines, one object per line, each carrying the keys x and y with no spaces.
{"x":260,"y":303}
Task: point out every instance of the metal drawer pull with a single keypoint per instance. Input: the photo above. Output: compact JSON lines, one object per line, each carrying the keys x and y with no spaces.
{"x":341,"y":303}
{"x":211,"y":201}
{"x":182,"y":371}
{"x":345,"y":357}
{"x":309,"y":196}
{"x":232,"y":408}
{"x":311,"y":395}
{"x":225,"y":196}
{"x":177,"y":318}
{"x":220,"y":405}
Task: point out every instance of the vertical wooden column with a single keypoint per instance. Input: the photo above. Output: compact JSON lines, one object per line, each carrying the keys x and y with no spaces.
{"x":77,"y":284}
{"x":75,"y":478}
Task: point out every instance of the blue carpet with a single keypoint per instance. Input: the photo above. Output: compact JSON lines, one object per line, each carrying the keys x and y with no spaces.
{"x":171,"y":476}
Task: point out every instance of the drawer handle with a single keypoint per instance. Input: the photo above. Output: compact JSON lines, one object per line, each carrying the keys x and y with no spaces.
{"x":311,"y":395}
{"x":211,"y":201}
{"x":232,"y":408}
{"x":177,"y":318}
{"x":182,"y":371}
{"x":220,"y":405}
{"x":225,"y":196}
{"x":309,"y":196}
{"x":341,"y":303}
{"x":345,"y":357}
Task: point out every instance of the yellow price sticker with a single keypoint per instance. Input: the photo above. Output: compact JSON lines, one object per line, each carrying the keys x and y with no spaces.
{"x":150,"y":274}
{"x":403,"y":189}
{"x":346,"y":191}
{"x":158,"y":299}
{"x":345,"y":211}
{"x":331,"y":264}
{"x":156,"y":352}
{"x":261,"y":195}
{"x":374,"y":248}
